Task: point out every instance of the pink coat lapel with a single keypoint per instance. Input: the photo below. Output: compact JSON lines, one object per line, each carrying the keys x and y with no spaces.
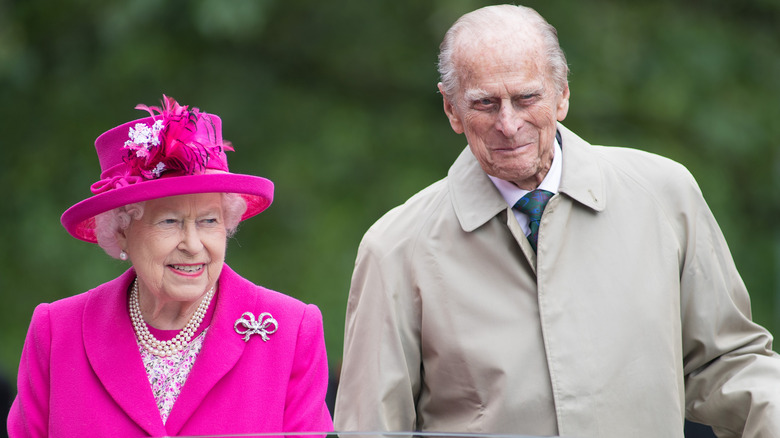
{"x":112,"y":351}
{"x":221,"y":351}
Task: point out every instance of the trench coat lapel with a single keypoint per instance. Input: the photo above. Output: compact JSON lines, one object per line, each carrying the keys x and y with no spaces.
{"x":112,"y":351}
{"x":221,"y":351}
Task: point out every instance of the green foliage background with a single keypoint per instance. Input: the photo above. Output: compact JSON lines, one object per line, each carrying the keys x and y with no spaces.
{"x":336,"y":102}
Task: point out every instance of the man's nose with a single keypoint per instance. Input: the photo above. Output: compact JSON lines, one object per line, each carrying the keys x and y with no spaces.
{"x":509,"y":119}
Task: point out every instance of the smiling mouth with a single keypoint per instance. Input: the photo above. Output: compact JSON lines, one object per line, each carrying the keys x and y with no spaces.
{"x":511,"y":148}
{"x":516,"y":145}
{"x":189,"y":269}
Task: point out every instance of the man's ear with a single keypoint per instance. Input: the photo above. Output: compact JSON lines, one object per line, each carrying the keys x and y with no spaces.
{"x":563,"y":104}
{"x":452,"y":115}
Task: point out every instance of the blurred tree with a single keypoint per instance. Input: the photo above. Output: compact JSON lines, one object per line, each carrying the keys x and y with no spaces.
{"x":336,"y":102}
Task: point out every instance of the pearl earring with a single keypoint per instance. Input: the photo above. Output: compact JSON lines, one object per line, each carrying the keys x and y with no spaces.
{"x":123,"y":256}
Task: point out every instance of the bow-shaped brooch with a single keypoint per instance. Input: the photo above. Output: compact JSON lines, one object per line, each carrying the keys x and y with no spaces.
{"x":264,"y":325}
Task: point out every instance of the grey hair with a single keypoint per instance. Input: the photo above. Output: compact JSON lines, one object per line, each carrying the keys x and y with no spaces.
{"x":501,"y":18}
{"x":108,"y":224}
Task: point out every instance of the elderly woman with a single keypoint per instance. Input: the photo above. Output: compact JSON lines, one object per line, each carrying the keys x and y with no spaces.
{"x":179,"y":344}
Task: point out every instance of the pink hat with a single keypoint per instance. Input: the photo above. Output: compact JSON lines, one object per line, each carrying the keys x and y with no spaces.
{"x":179,"y":151}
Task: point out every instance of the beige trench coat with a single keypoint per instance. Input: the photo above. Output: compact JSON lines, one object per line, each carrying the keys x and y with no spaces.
{"x":631,"y":317}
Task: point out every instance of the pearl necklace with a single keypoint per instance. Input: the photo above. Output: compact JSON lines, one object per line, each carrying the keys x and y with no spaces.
{"x":172,"y":346}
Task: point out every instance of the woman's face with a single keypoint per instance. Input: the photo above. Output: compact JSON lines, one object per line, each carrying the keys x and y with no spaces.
{"x":178,"y":246}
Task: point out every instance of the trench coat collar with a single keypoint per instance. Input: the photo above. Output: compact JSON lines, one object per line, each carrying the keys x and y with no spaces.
{"x":476,"y":200}
{"x":581,"y":179}
{"x":112,"y":350}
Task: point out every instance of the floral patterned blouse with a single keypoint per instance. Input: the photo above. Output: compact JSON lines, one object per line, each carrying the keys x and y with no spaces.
{"x":167,"y":374}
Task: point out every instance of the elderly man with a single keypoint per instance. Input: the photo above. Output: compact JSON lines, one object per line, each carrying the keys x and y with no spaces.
{"x":617,"y":312}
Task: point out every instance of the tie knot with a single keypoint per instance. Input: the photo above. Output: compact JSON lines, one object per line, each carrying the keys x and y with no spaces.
{"x":533,"y":203}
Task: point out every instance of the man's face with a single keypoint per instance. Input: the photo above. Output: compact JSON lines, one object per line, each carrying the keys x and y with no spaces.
{"x":507,"y":107}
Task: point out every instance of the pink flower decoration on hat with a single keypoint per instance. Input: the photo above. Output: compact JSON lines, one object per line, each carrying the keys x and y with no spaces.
{"x":181,"y":142}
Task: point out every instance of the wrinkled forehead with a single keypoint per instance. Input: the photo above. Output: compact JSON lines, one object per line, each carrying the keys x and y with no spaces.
{"x":499,"y":40}
{"x":480,"y":66}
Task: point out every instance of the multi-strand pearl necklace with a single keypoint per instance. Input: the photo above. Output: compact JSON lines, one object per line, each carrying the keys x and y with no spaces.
{"x":172,"y":346}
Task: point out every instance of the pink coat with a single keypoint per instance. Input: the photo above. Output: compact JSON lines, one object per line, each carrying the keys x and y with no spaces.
{"x":81,"y":373}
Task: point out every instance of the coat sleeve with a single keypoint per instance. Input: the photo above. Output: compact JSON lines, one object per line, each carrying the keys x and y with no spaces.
{"x":305,"y":407}
{"x":381,"y":369}
{"x":29,"y":415}
{"x":732,"y":376}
